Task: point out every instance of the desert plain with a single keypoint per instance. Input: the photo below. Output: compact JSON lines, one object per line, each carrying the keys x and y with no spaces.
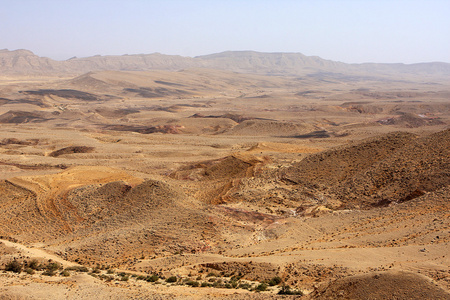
{"x":228,"y":179}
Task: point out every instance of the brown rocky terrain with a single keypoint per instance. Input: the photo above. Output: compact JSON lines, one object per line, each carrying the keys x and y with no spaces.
{"x":393,"y":168}
{"x":164,"y":177}
{"x":384,"y":286}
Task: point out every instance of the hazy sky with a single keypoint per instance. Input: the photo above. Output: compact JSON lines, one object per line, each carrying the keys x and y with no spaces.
{"x":352,"y":31}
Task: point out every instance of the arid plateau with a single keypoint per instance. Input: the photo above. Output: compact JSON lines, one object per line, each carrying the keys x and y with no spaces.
{"x":238,"y":175}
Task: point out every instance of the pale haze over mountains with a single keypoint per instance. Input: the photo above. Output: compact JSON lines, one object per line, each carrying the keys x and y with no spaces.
{"x":350,"y":31}
{"x":25,"y":62}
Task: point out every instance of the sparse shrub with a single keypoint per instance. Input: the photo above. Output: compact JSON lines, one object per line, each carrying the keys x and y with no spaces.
{"x":193,"y":283}
{"x":275,"y":281}
{"x":33,"y":264}
{"x":212,"y":274}
{"x":110,"y":271}
{"x":77,"y":269}
{"x":104,"y":277}
{"x":199,"y":277}
{"x":261,"y":287}
{"x":96,"y":271}
{"x":82,"y":269}
{"x":49,"y":273}
{"x":125,"y":278}
{"x":228,"y":286}
{"x":152,"y":278}
{"x":52,"y":266}
{"x":65,"y":273}
{"x":141,"y":277}
{"x":14,"y":266}
{"x":30,"y":271}
{"x":245,"y":286}
{"x":171,"y":279}
{"x":286,"y":290}
{"x":234,"y":284}
{"x":205,"y":284}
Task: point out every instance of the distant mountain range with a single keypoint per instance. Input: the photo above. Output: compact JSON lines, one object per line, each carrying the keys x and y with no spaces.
{"x":25,"y":62}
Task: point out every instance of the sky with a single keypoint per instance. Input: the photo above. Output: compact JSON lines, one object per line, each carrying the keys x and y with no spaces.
{"x":351,"y":31}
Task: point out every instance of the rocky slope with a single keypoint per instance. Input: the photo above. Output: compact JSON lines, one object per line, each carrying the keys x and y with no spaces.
{"x":393,"y":168}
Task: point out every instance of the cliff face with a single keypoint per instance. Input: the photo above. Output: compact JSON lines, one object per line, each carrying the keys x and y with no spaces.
{"x":24,"y":62}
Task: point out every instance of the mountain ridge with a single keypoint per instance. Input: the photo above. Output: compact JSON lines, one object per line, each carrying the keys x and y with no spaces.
{"x":25,"y":62}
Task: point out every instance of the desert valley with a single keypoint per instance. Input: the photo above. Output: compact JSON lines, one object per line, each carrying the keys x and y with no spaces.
{"x":237,"y":175}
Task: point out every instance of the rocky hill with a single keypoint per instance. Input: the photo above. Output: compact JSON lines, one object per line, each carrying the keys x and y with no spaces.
{"x":393,"y":168}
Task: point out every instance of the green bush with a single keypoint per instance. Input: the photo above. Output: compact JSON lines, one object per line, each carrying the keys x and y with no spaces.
{"x":110,"y":271}
{"x":193,"y":283}
{"x":30,"y":271}
{"x":52,"y":266}
{"x":205,"y":284}
{"x":171,"y":279}
{"x":261,"y":287}
{"x":245,"y":286}
{"x":105,"y":277}
{"x":49,"y":273}
{"x":286,"y":290}
{"x":275,"y":281}
{"x":33,"y":264}
{"x":77,"y":269}
{"x":152,"y":278}
{"x":212,"y":274}
{"x":14,"y":266}
{"x":125,"y":278}
{"x":65,"y":273}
